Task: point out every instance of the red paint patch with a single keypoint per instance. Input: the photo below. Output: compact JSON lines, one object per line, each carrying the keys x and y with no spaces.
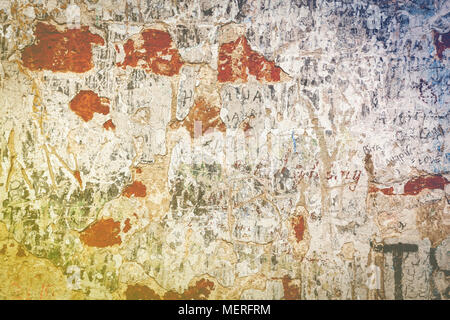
{"x":67,"y":51}
{"x":157,"y":54}
{"x":299,"y":227}
{"x":77,"y":176}
{"x":245,"y":125}
{"x":236,"y":58}
{"x":86,"y":102}
{"x":200,"y":291}
{"x":291,"y":292}
{"x":103,"y":233}
{"x":137,"y":189}
{"x":386,"y":191}
{"x":415,"y":185}
{"x":441,"y":42}
{"x":206,"y":115}
{"x":109,"y":125}
{"x":127,"y":226}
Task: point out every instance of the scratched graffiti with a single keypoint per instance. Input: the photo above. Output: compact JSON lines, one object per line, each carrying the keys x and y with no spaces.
{"x":199,"y":149}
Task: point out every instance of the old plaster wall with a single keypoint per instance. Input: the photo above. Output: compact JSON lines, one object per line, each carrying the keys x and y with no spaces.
{"x":232,"y":149}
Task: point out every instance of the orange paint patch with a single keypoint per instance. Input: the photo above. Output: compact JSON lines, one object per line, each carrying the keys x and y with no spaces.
{"x":237,"y":60}
{"x":156,"y":54}
{"x":67,"y":51}
{"x":109,"y":125}
{"x":137,"y":189}
{"x":127,"y":226}
{"x":206,"y":115}
{"x":86,"y":102}
{"x":77,"y":176}
{"x":140,"y":292}
{"x":386,"y":191}
{"x":103,"y":233}
{"x":299,"y":227}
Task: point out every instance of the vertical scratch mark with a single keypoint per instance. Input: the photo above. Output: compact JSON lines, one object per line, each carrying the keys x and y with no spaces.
{"x":50,"y":169}
{"x":75,"y":173}
{"x":12,"y":158}
{"x":293,"y":140}
{"x":323,"y":151}
{"x":25,"y":177}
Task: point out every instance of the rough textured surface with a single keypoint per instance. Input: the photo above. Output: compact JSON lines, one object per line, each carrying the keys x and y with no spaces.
{"x":229,"y":149}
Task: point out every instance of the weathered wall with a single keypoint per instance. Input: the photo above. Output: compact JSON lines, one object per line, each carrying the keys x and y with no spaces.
{"x":224,"y":149}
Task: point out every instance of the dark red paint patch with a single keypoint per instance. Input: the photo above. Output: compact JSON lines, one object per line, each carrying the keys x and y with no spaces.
{"x":299,"y":227}
{"x":157,"y":54}
{"x":237,"y":60}
{"x":137,"y":189}
{"x":441,"y":42}
{"x":415,"y":185}
{"x":200,"y":291}
{"x":67,"y":51}
{"x":103,"y":233}
{"x":86,"y":102}
{"x":291,"y":291}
